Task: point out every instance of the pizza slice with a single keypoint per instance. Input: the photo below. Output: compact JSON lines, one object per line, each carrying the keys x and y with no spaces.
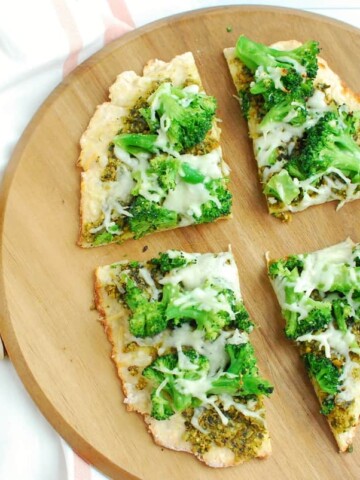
{"x":151,"y":156}
{"x":319,"y":295}
{"x":303,"y":122}
{"x":180,"y":341}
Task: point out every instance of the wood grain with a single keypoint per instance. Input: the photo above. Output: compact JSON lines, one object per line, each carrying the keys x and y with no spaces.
{"x":48,"y":324}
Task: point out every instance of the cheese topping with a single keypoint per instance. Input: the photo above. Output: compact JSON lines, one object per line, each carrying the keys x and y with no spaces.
{"x":218,"y":269}
{"x":333,"y":274}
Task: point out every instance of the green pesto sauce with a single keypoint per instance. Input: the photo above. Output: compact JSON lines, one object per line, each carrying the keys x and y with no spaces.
{"x":242,"y":435}
{"x":206,"y":146}
{"x":134,"y":122}
{"x":110,"y":171}
{"x":341,"y":418}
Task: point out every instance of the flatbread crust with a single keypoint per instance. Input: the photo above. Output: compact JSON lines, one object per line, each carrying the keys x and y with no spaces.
{"x":106,"y":123}
{"x":167,"y":433}
{"x":337,"y":90}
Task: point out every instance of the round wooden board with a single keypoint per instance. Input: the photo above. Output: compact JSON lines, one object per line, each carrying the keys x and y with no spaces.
{"x":48,"y":323}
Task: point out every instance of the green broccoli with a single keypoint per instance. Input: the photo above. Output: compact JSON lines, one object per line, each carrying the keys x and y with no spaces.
{"x":328,"y":144}
{"x":134,"y":296}
{"x":135,"y":143}
{"x":166,"y":371}
{"x":166,"y":169}
{"x":342,"y":311}
{"x":327,"y":405}
{"x":319,"y":312}
{"x":166,"y":262}
{"x":297,"y":68}
{"x":147,"y":317}
{"x":148,"y":216}
{"x":291,"y":109}
{"x":282,"y":187}
{"x":186,"y":116}
{"x":220,"y":206}
{"x":170,"y":379}
{"x":190,"y":174}
{"x":241,"y":376}
{"x":242,"y":318}
{"x":161,"y":408}
{"x":318,"y":317}
{"x":284,"y":267}
{"x":326,"y":374}
{"x":254,"y":54}
{"x":212,"y":323}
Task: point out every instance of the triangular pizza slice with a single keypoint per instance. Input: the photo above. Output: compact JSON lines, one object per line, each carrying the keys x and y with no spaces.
{"x":303,"y":121}
{"x":319,"y":296}
{"x":151,"y":157}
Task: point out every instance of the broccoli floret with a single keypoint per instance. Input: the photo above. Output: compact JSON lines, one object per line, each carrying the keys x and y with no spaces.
{"x":242,"y":318}
{"x":170,"y":375}
{"x":180,"y":308}
{"x":328,"y":144}
{"x":317,"y":319}
{"x":212,"y":323}
{"x":161,"y":408}
{"x":254,"y":54}
{"x":220,"y":206}
{"x":186,"y":116}
{"x":135,"y":143}
{"x":326,"y":374}
{"x":245,"y":102}
{"x":166,"y":370}
{"x":241,"y":377}
{"x":342,"y":311}
{"x":284,"y":267}
{"x":327,"y":405}
{"x":101,"y":238}
{"x":297,"y":69}
{"x":166,"y":169}
{"x":292,"y":110}
{"x":319,"y":312}
{"x":282,"y":187}
{"x":148,"y":216}
{"x":134,"y":296}
{"x":166,"y":262}
{"x":148,"y":319}
{"x":190,"y":174}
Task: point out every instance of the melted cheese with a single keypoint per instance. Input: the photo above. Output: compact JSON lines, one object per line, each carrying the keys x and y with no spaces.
{"x":205,"y":298}
{"x":281,"y":134}
{"x":218,"y":269}
{"x":210,"y":164}
{"x":186,"y":199}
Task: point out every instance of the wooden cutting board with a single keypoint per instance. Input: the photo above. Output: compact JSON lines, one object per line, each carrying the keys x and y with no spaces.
{"x":48,"y":323}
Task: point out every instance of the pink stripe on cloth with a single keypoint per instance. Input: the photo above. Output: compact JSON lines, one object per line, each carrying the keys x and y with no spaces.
{"x":119,"y":10}
{"x":82,"y":470}
{"x":114,"y":29}
{"x":75,"y":42}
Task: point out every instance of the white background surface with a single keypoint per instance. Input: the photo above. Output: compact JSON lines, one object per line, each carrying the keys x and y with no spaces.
{"x":30,"y":68}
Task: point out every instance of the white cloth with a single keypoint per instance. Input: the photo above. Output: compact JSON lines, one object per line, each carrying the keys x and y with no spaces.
{"x":41,"y":41}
